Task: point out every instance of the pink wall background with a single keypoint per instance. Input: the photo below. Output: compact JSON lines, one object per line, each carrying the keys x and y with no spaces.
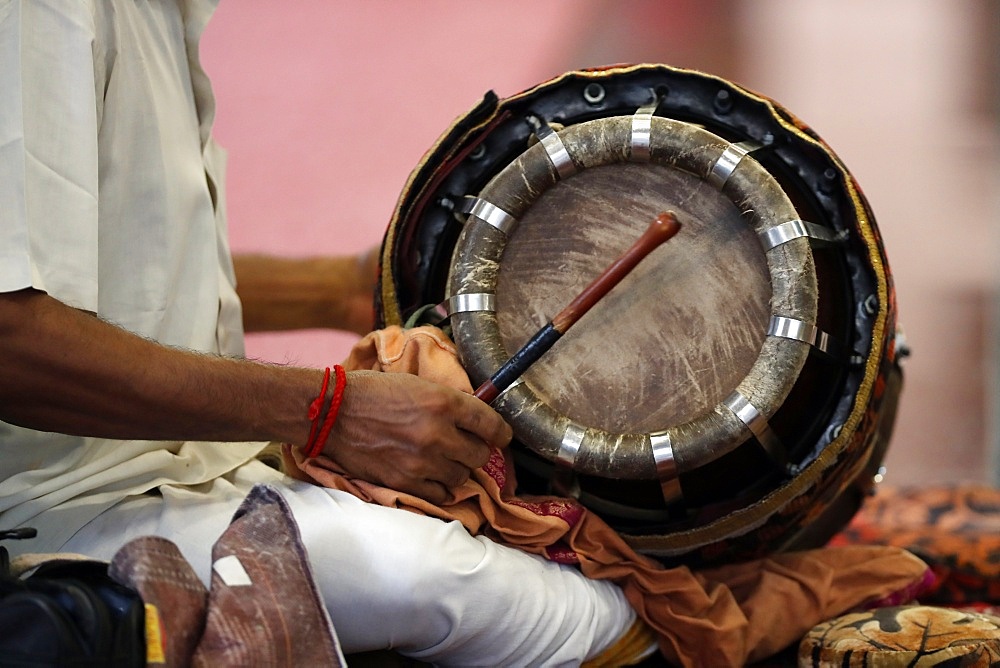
{"x":325,"y":107}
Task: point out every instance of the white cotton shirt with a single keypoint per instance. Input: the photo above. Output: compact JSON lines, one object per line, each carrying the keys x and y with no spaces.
{"x":111,"y":200}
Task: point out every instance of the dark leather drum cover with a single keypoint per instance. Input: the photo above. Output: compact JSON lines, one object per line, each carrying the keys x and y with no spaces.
{"x":734,"y":395}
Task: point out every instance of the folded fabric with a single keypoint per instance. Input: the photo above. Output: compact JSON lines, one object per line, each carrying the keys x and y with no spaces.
{"x":725,"y":616}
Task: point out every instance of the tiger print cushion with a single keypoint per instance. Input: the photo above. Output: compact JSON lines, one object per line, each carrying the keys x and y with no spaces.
{"x":955,"y":529}
{"x":913,"y":635}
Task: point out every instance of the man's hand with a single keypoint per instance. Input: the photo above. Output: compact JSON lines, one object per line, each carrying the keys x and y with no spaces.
{"x":412,"y":435}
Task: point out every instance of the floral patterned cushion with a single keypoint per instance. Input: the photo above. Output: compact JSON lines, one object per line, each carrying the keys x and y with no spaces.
{"x":903,"y":636}
{"x":955,"y":529}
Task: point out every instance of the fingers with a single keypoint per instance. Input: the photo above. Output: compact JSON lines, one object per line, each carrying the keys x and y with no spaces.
{"x":451,"y":474}
{"x":431,"y":491}
{"x":465,"y":449}
{"x":433,"y":484}
{"x":477,"y":429}
{"x":479,"y":419}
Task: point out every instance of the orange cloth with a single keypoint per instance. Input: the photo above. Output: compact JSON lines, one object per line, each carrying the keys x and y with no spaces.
{"x":723,"y":616}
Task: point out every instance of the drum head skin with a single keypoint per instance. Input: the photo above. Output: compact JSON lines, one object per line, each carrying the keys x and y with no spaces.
{"x":734,"y":395}
{"x":676,"y":337}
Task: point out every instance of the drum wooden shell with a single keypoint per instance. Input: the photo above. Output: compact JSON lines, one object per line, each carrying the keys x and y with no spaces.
{"x":661,"y":356}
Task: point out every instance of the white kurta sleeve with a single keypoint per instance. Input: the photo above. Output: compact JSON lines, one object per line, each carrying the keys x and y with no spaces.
{"x":48,"y":150}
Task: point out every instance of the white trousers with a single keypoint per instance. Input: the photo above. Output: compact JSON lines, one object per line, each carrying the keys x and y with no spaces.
{"x":393,"y":579}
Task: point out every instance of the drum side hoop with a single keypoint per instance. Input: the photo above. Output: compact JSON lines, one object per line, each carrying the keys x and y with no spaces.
{"x":811,"y":480}
{"x":475,"y":266}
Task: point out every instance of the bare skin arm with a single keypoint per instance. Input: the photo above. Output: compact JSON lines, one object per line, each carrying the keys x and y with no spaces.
{"x":67,"y":371}
{"x":307,"y":293}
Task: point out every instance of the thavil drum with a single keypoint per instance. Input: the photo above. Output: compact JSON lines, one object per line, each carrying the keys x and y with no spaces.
{"x":733,"y":396}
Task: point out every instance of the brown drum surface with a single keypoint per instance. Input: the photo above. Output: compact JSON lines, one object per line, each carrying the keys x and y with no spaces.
{"x":679,"y":333}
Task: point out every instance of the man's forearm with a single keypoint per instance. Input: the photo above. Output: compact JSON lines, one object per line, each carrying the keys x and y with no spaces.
{"x":63,"y":370}
{"x":306,"y":293}
{"x":67,"y":371}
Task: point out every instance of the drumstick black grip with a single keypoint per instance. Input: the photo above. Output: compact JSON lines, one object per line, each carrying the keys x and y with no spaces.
{"x":662,"y":228}
{"x":529,"y":353}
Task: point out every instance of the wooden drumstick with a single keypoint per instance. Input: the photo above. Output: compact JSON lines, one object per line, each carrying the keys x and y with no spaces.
{"x":662,"y":228}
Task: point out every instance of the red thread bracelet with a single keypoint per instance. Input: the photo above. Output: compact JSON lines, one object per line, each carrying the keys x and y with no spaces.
{"x":315,"y":407}
{"x":314,"y":448}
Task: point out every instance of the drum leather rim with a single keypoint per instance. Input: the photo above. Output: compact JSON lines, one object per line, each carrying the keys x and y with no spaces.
{"x":811,"y":480}
{"x":477,"y":258}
